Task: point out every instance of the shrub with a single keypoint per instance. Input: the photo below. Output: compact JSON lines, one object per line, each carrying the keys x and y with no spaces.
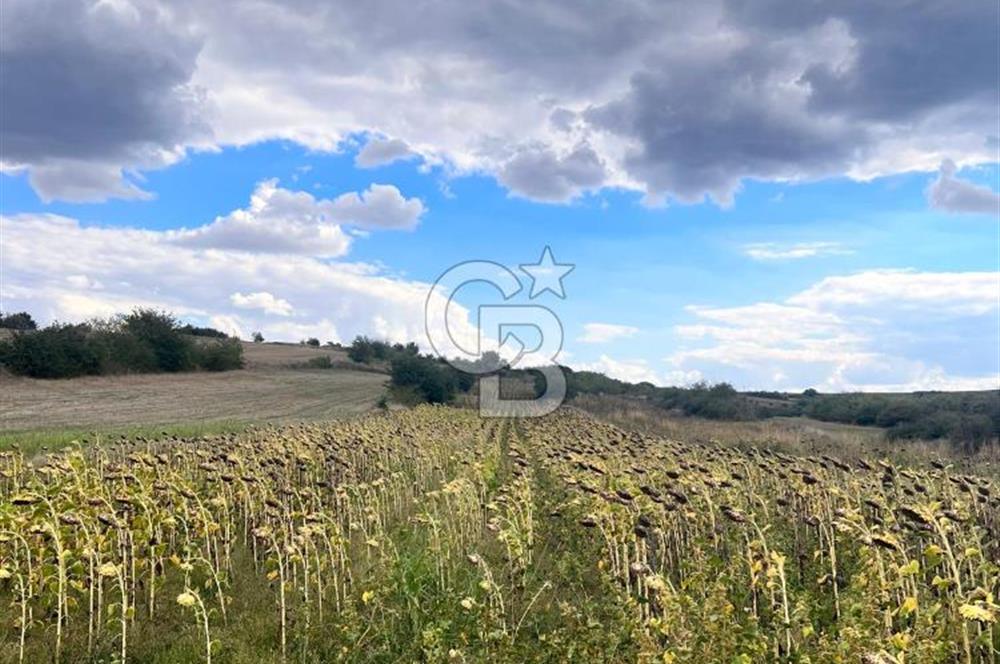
{"x":57,"y":351}
{"x":362,"y":350}
{"x":321,"y":362}
{"x":211,"y":332}
{"x":258,"y":338}
{"x":895,"y":413}
{"x":434,"y":380}
{"x":312,"y":341}
{"x":120,"y":352}
{"x":19,"y":321}
{"x":972,"y":432}
{"x":359,"y":351}
{"x":142,"y":341}
{"x":717,"y":402}
{"x":223,"y":355}
{"x":160,"y":331}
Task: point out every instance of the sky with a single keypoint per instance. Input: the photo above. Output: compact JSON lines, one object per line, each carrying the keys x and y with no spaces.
{"x":779,"y":194}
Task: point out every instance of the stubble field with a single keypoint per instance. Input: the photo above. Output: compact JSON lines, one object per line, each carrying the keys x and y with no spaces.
{"x":276,"y":386}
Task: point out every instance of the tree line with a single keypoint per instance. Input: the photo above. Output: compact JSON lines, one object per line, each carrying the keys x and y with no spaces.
{"x":142,"y":341}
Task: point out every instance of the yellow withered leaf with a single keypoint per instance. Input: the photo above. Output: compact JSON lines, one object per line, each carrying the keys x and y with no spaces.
{"x":908,"y":607}
{"x":977,"y":612}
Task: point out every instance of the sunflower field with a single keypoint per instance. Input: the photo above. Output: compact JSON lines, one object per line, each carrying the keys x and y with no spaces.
{"x":434,"y":535}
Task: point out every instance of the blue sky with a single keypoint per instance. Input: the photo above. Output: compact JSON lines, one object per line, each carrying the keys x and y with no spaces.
{"x":637,"y":266}
{"x":837,"y":231}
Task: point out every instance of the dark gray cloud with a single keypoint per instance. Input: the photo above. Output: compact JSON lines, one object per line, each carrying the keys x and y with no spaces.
{"x":953,"y":194}
{"x":677,"y":100}
{"x":909,"y":57}
{"x":692,"y":139}
{"x":805,"y":90}
{"x":87,"y":88}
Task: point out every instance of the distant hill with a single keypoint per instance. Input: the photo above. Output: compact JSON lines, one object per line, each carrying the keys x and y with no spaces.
{"x":968,"y":419}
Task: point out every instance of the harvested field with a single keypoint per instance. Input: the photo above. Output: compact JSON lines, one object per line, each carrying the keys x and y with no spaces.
{"x":249,"y":395}
{"x":285,"y":355}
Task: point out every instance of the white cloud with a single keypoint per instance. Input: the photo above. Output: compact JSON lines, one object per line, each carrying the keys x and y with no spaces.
{"x":599,"y":333}
{"x":630,"y":371}
{"x":380,"y":206}
{"x":381,"y":151}
{"x":933,"y":293}
{"x":875,"y":330}
{"x":262,"y":300}
{"x":771,"y":251}
{"x":953,"y":194}
{"x":294,"y":222}
{"x":324,"y":330}
{"x":332,"y":300}
{"x":82,"y":282}
{"x":921,"y":378}
{"x":681,"y":378}
{"x":230,"y":325}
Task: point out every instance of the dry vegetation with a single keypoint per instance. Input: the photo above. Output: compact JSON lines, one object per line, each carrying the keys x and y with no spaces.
{"x":793,"y":435}
{"x":435,"y":535}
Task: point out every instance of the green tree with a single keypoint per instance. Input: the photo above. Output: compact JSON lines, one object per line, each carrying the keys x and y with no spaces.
{"x":159,"y":330}
{"x":19,"y":321}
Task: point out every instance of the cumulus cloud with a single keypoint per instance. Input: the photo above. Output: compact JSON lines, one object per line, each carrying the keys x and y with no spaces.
{"x":543,"y":175}
{"x":675,"y":100}
{"x":931,"y":293}
{"x":262,"y":300}
{"x":880,"y":329}
{"x":599,"y":333}
{"x":277,"y":220}
{"x":953,"y":194}
{"x":283,"y":221}
{"x":772,"y":251}
{"x":382,"y":151}
{"x":235,"y":289}
{"x":380,"y":206}
{"x":81,"y":181}
{"x":630,"y":371}
{"x":681,"y":378}
{"x":639,"y":371}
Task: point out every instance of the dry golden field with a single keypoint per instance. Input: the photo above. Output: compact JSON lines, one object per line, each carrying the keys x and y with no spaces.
{"x":274,"y":387}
